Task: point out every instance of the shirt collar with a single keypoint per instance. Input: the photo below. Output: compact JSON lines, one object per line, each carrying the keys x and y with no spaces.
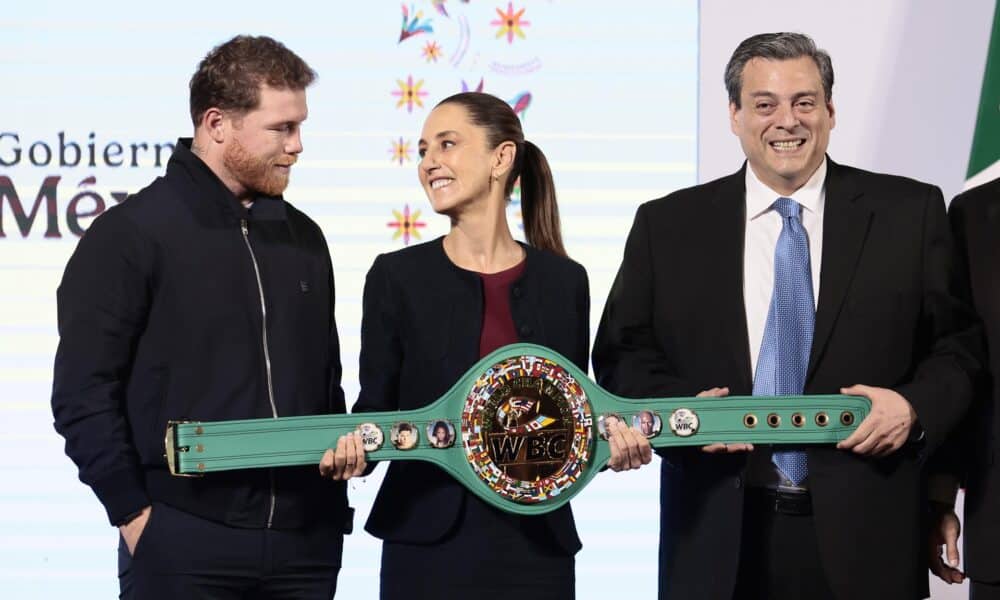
{"x":760,"y":197}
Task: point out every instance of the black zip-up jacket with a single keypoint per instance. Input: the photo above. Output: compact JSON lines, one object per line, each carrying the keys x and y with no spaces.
{"x":160,"y":318}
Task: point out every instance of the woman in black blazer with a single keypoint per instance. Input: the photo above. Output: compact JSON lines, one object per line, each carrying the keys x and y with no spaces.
{"x":430,"y":312}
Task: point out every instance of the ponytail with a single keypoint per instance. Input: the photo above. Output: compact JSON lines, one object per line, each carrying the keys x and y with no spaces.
{"x":538,"y":202}
{"x":538,"y":192}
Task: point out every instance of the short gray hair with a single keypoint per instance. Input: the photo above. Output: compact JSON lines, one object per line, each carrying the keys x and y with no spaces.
{"x":776,"y":46}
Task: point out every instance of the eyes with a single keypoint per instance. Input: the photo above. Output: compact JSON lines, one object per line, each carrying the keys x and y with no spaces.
{"x":765,"y":106}
{"x":286,"y":128}
{"x":443,"y":144}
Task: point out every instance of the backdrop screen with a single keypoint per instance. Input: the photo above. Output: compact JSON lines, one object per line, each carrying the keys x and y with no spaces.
{"x":95,"y":95}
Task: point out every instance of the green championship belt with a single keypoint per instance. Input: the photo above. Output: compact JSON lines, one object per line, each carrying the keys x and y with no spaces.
{"x":523,"y":429}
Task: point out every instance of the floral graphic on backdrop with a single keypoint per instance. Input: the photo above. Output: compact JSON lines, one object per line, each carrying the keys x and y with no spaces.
{"x":400,"y":151}
{"x":510,"y":23}
{"x":431,"y":51}
{"x":409,"y":93}
{"x":406,"y":224}
{"x":414,"y":26}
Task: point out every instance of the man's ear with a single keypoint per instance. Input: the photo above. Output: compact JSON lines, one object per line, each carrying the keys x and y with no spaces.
{"x":734,"y":118}
{"x":215,"y":123}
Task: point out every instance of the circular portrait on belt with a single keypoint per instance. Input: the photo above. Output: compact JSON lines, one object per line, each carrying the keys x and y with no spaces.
{"x":404,"y":436}
{"x":604,"y":420}
{"x":440,"y":434}
{"x":648,"y":423}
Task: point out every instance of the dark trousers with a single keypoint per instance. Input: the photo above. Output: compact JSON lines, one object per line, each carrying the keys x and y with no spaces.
{"x":984,"y":591}
{"x":779,"y":556}
{"x":180,"y":555}
{"x":489,"y":555}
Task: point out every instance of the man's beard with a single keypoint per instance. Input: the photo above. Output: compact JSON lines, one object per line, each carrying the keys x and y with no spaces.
{"x":257,"y":175}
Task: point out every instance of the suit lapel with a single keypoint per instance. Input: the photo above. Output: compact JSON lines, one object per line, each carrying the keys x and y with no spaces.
{"x":729,"y":206}
{"x":987,"y":245}
{"x":846,"y":222}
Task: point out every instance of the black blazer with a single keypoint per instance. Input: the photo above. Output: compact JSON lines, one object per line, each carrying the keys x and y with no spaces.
{"x":675,"y":324}
{"x":420,"y":333}
{"x":972,"y":453}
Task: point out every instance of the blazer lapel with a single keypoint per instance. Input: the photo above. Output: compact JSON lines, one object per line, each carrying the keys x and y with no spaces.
{"x":987,"y":245}
{"x":846,"y":222}
{"x":729,"y":221}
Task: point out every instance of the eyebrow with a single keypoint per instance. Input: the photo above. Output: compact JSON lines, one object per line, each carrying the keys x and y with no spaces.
{"x":439,"y":136}
{"x":795,"y":96}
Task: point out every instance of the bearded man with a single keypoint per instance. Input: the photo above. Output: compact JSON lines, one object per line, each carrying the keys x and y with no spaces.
{"x":206,"y":296}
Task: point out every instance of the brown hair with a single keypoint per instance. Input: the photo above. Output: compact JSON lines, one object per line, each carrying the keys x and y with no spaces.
{"x":776,"y":46}
{"x":230,"y":76}
{"x":538,"y":192}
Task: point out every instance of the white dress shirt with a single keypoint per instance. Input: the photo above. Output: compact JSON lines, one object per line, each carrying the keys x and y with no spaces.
{"x":763,"y":227}
{"x":762,"y":230}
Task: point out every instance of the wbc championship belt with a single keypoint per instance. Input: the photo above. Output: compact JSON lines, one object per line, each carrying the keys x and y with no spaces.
{"x":524,"y":429}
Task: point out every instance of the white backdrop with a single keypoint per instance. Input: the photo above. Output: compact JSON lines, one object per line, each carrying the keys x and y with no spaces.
{"x":621,"y":94}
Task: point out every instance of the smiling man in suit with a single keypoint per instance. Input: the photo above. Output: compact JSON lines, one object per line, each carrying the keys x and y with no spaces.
{"x":793,"y":275}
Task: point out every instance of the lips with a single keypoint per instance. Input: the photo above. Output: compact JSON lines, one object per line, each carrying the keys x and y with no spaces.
{"x":437,"y":184}
{"x":786,"y":145}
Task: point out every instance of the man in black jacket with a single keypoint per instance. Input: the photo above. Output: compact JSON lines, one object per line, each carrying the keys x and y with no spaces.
{"x":206,"y":296}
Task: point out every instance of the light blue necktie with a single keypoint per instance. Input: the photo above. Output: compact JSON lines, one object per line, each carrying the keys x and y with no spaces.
{"x":784,"y":351}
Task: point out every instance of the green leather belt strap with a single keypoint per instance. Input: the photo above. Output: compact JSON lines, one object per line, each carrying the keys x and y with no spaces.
{"x":523,"y":429}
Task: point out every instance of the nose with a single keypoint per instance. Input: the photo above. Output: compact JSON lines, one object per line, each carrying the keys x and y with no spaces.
{"x":293,"y":145}
{"x":429,"y":162}
{"x":786,"y":117}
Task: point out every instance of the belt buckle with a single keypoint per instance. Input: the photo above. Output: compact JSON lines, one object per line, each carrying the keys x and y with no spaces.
{"x":172,"y":449}
{"x":792,"y":503}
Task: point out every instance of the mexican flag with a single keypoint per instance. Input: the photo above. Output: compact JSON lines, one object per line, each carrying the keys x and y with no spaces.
{"x":984,"y":163}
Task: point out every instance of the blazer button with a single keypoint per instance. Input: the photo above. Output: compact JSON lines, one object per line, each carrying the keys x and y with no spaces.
{"x":516,"y":291}
{"x":525,"y":331}
{"x":738,"y":482}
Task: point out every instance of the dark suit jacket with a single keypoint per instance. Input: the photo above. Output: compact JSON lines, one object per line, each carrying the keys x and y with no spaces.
{"x":420,"y":333}
{"x":675,"y":324}
{"x":972,"y":453}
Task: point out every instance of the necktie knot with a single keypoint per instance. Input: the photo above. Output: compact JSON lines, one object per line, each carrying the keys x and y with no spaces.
{"x":787,"y":207}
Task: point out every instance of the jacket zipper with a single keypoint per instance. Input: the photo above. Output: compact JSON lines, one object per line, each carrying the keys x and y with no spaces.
{"x":267,"y":353}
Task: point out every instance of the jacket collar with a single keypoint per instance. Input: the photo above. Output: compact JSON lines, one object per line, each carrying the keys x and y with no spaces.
{"x":202,"y":183}
{"x":530,"y":258}
{"x":846,"y":221}
{"x":728,"y":230}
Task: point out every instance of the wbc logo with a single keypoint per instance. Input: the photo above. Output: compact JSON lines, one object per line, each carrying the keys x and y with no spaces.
{"x":527,"y":429}
{"x":525,"y":440}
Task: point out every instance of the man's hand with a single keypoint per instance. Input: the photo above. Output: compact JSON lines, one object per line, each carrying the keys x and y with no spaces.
{"x":348,"y":460}
{"x":629,"y":448}
{"x":132,"y":531}
{"x":887,"y":426}
{"x":718,"y":392}
{"x":945,"y":529}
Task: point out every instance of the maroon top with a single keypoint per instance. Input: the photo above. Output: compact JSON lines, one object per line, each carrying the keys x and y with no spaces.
{"x":498,"y":324}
